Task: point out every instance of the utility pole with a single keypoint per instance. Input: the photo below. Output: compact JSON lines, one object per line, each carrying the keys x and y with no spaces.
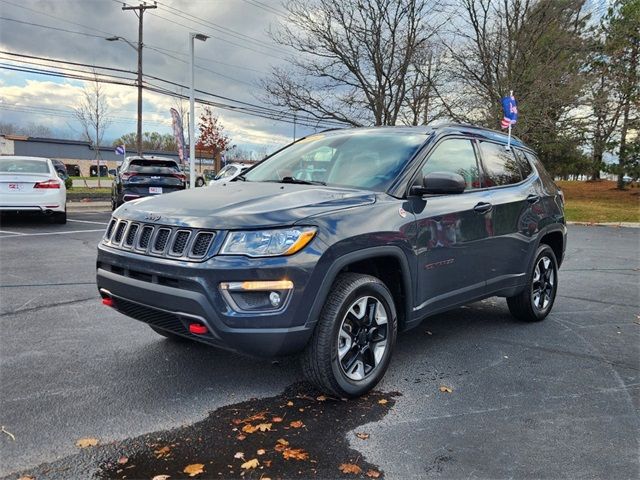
{"x":139,"y":11}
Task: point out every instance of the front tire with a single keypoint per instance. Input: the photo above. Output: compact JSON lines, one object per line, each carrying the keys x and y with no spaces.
{"x":353,"y":341}
{"x":534,"y":303}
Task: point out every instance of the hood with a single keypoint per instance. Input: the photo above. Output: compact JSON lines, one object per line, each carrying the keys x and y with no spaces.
{"x":238,"y":205}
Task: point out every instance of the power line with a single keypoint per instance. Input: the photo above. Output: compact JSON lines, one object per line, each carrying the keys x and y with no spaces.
{"x":251,"y":107}
{"x":265,"y":7}
{"x":220,"y":28}
{"x":49,"y":27}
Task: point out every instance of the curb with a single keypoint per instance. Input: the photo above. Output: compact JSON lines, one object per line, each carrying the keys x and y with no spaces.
{"x":607,"y":224}
{"x":88,"y":206}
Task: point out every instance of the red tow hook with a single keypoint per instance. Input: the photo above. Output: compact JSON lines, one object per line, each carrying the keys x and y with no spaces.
{"x":108,"y":301}
{"x":197,"y":329}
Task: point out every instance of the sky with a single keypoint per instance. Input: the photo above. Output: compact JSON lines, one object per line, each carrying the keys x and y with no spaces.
{"x":231,"y":63}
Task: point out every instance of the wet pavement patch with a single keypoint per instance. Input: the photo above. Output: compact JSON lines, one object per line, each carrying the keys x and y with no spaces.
{"x":298,"y":434}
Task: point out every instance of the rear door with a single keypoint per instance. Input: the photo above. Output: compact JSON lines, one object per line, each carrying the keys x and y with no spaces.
{"x":452,"y":231}
{"x":514,"y":195}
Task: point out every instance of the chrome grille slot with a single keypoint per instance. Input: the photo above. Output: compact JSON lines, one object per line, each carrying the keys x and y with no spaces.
{"x":131,"y":234}
{"x":201,"y":244}
{"x":145,"y":236}
{"x":180,"y":242}
{"x":162,"y":237}
{"x":112,"y":224}
{"x":117,"y":237}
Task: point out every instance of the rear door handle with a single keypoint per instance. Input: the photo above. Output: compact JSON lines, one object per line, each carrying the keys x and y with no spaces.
{"x":533,"y":198}
{"x":483,"y":207}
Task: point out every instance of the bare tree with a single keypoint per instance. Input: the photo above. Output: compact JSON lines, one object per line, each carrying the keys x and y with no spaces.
{"x":93,"y":114}
{"x":535,"y":48}
{"x":355,"y":58}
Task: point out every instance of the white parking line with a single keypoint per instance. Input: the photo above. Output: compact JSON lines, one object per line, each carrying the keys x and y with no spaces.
{"x":50,"y":233}
{"x":12,"y":233}
{"x":87,"y":221}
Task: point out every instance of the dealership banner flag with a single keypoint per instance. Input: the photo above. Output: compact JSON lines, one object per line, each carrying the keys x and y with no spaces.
{"x":178,"y":133}
{"x":510,"y":114}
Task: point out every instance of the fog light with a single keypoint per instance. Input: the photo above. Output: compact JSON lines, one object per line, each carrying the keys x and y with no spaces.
{"x":274,"y":298}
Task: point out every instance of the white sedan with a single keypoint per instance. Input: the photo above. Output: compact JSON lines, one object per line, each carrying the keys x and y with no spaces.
{"x":31,"y":184}
{"x":228,"y":173}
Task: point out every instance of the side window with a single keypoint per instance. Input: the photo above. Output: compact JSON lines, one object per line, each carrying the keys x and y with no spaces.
{"x":500,"y":165}
{"x":523,"y":163}
{"x":456,"y":156}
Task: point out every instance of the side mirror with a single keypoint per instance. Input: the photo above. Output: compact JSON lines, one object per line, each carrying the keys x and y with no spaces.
{"x":62,"y":175}
{"x":440,"y":183}
{"x":112,"y":172}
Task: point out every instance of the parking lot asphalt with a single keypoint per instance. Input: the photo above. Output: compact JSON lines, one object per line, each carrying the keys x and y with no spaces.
{"x":557,"y":399}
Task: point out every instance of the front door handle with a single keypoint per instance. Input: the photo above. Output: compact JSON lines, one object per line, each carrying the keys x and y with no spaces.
{"x":533,"y":198}
{"x":483,"y":207}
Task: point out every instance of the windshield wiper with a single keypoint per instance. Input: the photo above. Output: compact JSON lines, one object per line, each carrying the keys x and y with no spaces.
{"x":300,"y":182}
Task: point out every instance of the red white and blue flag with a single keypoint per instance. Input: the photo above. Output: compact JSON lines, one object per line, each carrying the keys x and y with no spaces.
{"x":121,"y":150}
{"x":178,"y":134}
{"x":510,"y":111}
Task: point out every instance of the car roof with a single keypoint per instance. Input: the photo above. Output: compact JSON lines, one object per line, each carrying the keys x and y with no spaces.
{"x":151,"y":157}
{"x":441,"y":129}
{"x":18,"y":157}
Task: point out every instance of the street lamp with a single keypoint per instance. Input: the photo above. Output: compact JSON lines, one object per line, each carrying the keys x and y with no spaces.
{"x":192,"y":143}
{"x":137,"y":48}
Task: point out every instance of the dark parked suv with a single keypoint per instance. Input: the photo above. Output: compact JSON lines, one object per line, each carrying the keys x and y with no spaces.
{"x":144,"y":176}
{"x":338,"y":241}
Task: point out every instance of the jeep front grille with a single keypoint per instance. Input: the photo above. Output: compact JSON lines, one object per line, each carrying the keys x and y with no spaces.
{"x":159,"y":240}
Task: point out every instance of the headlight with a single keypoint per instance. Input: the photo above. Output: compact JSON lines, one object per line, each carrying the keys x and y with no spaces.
{"x":268,"y":243}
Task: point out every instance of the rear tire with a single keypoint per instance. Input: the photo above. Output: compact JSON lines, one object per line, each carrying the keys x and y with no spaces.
{"x":199,"y":182}
{"x":171,"y":336}
{"x":60,"y":218}
{"x":353,"y":341}
{"x":534,"y":303}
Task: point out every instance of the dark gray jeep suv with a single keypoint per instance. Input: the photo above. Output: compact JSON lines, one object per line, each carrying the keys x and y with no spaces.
{"x":338,"y":241}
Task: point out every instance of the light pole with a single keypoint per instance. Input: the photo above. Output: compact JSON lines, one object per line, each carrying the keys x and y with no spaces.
{"x":192,"y":143}
{"x":139,"y":50}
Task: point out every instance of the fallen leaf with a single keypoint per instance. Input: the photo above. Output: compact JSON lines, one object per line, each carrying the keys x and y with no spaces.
{"x":250,"y":464}
{"x":27,"y":477}
{"x":281,"y":444}
{"x":321,"y":398}
{"x":276,"y":419}
{"x":295,"y":454}
{"x":362,"y":435}
{"x":261,"y":451}
{"x":194,"y":469}
{"x":289,"y":403}
{"x":162,"y":452}
{"x":282,"y":441}
{"x":87,"y":442}
{"x":373,"y":473}
{"x":248,"y":428}
{"x":161,"y":477}
{"x":253,"y":418}
{"x":445,"y":389}
{"x":350,"y":468}
{"x":264,"y":427}
{"x":296,"y":424}
{"x":382,"y":401}
{"x":241,"y":437}
{"x":239,"y":455}
{"x":267,"y":463}
{"x":428,"y":333}
{"x":123,"y":460}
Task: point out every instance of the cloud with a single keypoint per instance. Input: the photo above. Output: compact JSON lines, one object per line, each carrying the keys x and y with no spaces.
{"x":231,"y":64}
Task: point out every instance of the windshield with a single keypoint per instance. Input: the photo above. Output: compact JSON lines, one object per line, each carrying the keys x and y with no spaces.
{"x":23,"y":166}
{"x":227,"y":171}
{"x":360,"y":159}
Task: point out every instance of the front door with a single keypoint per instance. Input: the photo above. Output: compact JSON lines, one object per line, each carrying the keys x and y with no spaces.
{"x":452,"y":232}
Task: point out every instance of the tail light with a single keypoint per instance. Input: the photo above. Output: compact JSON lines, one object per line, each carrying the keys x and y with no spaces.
{"x":48,"y":184}
{"x":127,"y":175}
{"x":181,"y":176}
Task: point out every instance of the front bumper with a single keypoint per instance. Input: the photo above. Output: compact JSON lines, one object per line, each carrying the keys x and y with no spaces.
{"x":171,"y":295}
